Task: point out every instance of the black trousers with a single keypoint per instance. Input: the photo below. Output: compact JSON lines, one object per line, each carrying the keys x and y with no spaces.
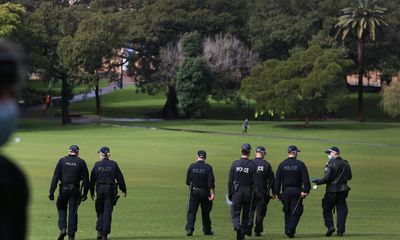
{"x":241,"y":206}
{"x":259,"y":210}
{"x":293,"y":208}
{"x":199,"y":197}
{"x":329,"y":202}
{"x":68,"y":198}
{"x":104,"y":206}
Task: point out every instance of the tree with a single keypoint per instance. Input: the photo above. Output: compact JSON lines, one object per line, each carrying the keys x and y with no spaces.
{"x":390,"y":102}
{"x":95,"y":42}
{"x":230,"y":60}
{"x":193,"y":79}
{"x":10,"y":19}
{"x":44,"y":29}
{"x":311,"y":82}
{"x":362,"y":22}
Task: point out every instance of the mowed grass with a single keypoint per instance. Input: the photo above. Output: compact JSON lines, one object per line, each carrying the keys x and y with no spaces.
{"x":155,"y":162}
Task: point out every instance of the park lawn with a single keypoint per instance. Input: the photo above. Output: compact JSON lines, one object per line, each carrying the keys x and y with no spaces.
{"x":155,"y":161}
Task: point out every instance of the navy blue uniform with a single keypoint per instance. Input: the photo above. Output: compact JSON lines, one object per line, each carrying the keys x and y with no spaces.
{"x":200,"y":178}
{"x":337,"y":173}
{"x":102,"y":179}
{"x":240,"y":188}
{"x":13,"y":203}
{"x":292,"y":178}
{"x":263,"y":181}
{"x":70,"y":171}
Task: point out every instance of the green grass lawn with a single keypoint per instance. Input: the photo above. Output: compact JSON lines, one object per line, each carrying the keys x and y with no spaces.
{"x":155,"y":161}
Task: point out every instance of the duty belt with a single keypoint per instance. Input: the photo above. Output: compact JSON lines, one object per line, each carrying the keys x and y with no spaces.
{"x":199,"y":188}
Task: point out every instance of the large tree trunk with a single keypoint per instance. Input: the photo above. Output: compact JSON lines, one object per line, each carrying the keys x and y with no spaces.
{"x":97,"y":93}
{"x":65,"y":94}
{"x":170,"y":109}
{"x":360,"y":62}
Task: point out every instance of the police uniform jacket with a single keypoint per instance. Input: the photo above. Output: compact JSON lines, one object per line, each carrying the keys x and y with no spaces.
{"x":200,"y":175}
{"x":337,"y":173}
{"x":292,"y":173}
{"x":264,"y":177}
{"x":241,"y":175}
{"x":106,"y":172}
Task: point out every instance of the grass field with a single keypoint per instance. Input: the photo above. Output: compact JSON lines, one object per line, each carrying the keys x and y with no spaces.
{"x":55,"y":89}
{"x":154,"y":162}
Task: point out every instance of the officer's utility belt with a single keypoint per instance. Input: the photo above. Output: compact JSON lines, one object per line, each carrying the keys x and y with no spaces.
{"x":199,"y":188}
{"x":69,"y":186}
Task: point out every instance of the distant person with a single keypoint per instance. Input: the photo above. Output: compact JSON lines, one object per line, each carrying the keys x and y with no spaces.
{"x":103,"y":179}
{"x":245,"y":126}
{"x":13,"y":185}
{"x":292,"y":178}
{"x":337,"y":173}
{"x":201,"y":182}
{"x":70,"y":171}
{"x":264,"y":182}
{"x":241,"y":190}
{"x":48,"y":100}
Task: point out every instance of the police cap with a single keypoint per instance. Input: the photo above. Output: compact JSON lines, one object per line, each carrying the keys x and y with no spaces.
{"x":74,"y":148}
{"x":333,"y":149}
{"x":104,"y":150}
{"x":246,"y":147}
{"x":293,"y":148}
{"x":202,"y":154}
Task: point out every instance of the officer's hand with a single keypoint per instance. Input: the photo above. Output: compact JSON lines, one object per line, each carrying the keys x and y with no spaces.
{"x":84,"y":198}
{"x":314,"y":180}
{"x":125,"y":193}
{"x":303,"y":195}
{"x":230,"y":197}
{"x":211,"y":197}
{"x":51,"y":196}
{"x":92,"y":196}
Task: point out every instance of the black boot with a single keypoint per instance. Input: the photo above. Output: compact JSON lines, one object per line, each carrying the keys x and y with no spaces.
{"x":209,"y":233}
{"x":98,"y":235}
{"x":63,"y":233}
{"x":290,"y":234}
{"x":239,"y":234}
{"x":104,"y":237}
{"x":330,"y":231}
{"x":189,"y":232}
{"x":258,"y":234}
{"x":72,"y":237}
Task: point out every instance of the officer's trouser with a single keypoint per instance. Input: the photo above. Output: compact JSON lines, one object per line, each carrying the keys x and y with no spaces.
{"x":292,"y":207}
{"x":199,"y":197}
{"x":68,"y":198}
{"x":329,"y":202}
{"x":241,"y":204}
{"x":104,"y":207}
{"x":259,"y":209}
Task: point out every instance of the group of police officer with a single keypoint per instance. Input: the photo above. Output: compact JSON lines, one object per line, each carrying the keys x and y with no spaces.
{"x":251,"y":182}
{"x":105,"y":178}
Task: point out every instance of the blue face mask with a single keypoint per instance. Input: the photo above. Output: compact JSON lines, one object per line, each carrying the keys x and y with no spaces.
{"x":8,"y":119}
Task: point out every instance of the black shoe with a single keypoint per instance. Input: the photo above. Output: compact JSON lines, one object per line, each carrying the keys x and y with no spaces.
{"x":340,"y":234}
{"x":290,"y":234}
{"x":71,"y":238}
{"x":104,"y":237}
{"x":209,"y":233}
{"x":258,"y":234}
{"x":189,"y":232}
{"x":330,"y":231}
{"x":63,"y":233}
{"x":249,"y":233}
{"x":98,"y":235}
{"x":239,"y":234}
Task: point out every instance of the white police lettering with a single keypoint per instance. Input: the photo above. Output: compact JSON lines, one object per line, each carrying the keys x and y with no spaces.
{"x":290,"y":168}
{"x":198,"y":170}
{"x":260,"y":169}
{"x":242,"y":169}
{"x":70,"y":164}
{"x":104,"y":169}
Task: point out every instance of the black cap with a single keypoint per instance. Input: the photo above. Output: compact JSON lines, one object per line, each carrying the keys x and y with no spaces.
{"x":293,"y":148}
{"x":333,"y":149}
{"x":104,"y":150}
{"x":246,"y":147}
{"x":202,"y":154}
{"x":260,"y":149}
{"x":74,"y":148}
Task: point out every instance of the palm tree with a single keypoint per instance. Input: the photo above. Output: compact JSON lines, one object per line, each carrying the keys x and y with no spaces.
{"x":362,"y":22}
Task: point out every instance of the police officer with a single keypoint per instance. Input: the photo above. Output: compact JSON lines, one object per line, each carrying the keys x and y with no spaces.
{"x":241,"y":190}
{"x":337,"y":173}
{"x":102,"y":179}
{"x":201,"y":182}
{"x":13,"y":185}
{"x":292,"y":178}
{"x":264,"y":181}
{"x":70,"y":171}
